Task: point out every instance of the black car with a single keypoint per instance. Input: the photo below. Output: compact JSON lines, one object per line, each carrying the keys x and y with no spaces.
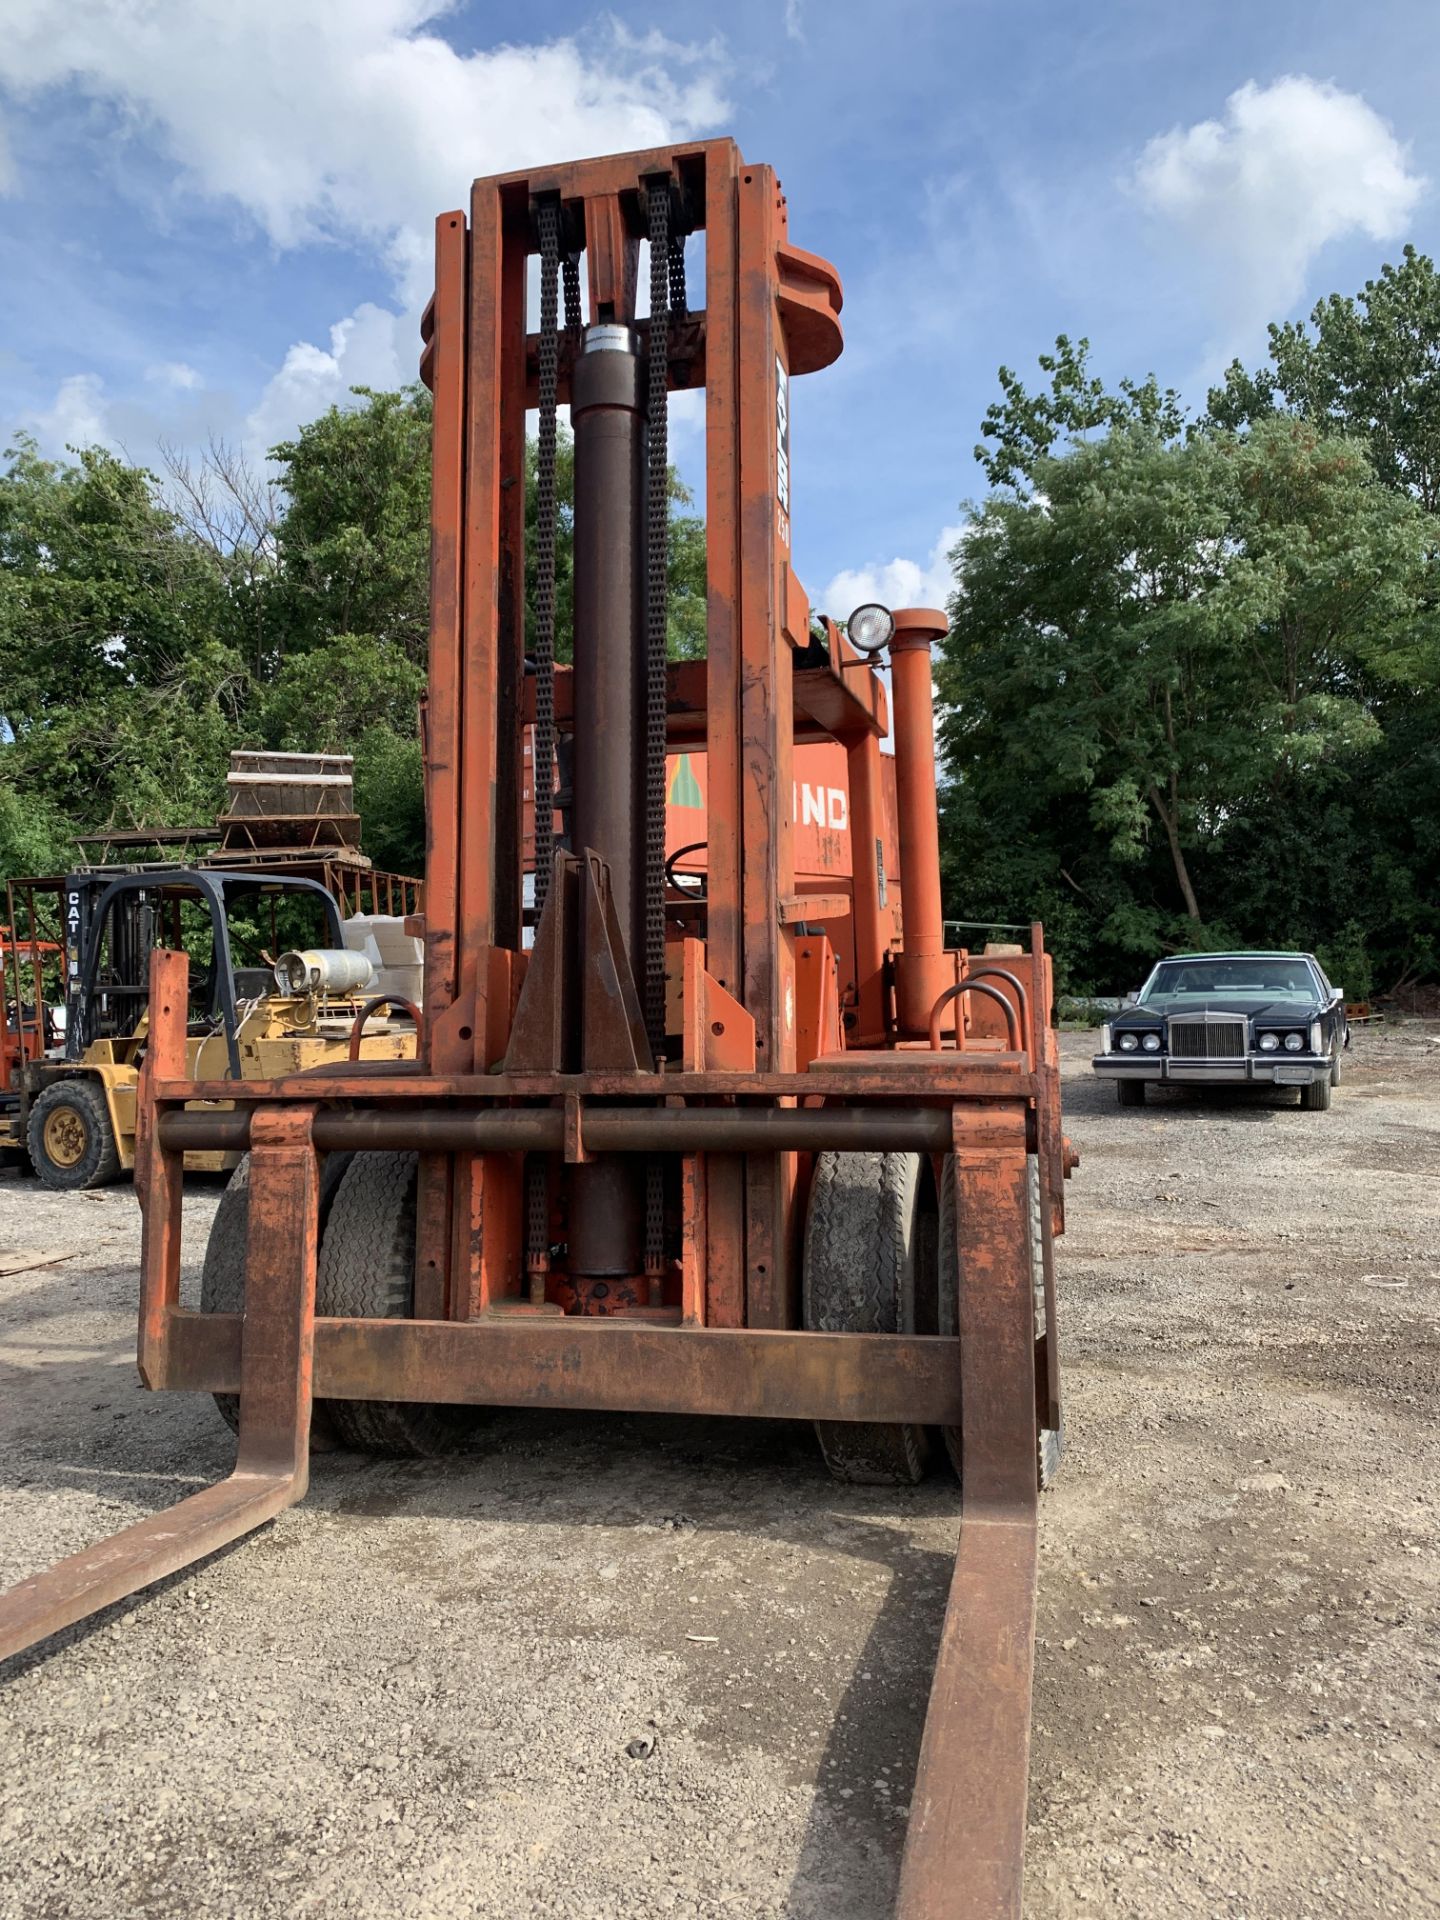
{"x":1229,"y":1019}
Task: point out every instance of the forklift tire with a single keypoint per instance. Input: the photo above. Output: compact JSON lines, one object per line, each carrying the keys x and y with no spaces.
{"x":870,"y":1248}
{"x":367,"y":1272}
{"x":1130,"y":1093}
{"x":222,"y":1278}
{"x":72,"y":1144}
{"x":1050,"y":1444}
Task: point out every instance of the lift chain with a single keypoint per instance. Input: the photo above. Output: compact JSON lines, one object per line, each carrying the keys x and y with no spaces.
{"x":570,"y":267}
{"x":679,"y":303}
{"x":547,"y":221}
{"x":657,"y":482}
{"x":537,"y":1226}
{"x":657,"y":518}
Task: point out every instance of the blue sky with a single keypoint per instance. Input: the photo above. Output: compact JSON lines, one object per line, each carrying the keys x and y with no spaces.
{"x":214,"y":214}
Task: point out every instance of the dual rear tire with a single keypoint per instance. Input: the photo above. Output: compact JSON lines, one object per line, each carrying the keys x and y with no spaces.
{"x":880,"y":1250}
{"x":880,"y":1257}
{"x":366,"y":1271}
{"x":871,"y":1266}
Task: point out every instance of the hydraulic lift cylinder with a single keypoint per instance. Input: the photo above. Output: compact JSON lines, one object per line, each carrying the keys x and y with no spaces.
{"x":922,"y":973}
{"x":607,"y":416}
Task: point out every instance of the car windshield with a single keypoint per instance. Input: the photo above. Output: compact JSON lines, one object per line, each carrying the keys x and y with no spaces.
{"x":1241,"y":977}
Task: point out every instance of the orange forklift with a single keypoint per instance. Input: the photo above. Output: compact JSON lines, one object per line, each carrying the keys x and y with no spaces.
{"x":698,"y":1142}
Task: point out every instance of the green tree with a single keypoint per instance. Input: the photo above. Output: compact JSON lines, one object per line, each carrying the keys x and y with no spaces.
{"x":353,"y":543}
{"x":1172,"y":639}
{"x":148,"y":628}
{"x":1026,"y":428}
{"x":119,"y":695}
{"x":1367,"y":367}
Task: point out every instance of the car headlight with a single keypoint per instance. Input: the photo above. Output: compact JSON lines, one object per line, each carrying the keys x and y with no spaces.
{"x":870,"y":627}
{"x":1151,"y":1043}
{"x":1269,"y":1042}
{"x":1317,"y":1038}
{"x":1129,"y":1042}
{"x":1294,"y":1043}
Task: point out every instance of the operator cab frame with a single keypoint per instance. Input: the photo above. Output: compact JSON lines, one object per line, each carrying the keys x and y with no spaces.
{"x":112,"y":922}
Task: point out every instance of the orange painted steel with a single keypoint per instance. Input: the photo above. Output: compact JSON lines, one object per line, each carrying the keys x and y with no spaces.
{"x":537,"y":1061}
{"x":397,"y":1001}
{"x":922,"y":968}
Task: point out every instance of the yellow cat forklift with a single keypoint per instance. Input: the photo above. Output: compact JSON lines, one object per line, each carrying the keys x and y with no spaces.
{"x":274,"y":991}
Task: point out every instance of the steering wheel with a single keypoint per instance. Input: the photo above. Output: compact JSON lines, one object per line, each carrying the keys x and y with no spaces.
{"x":691,"y":885}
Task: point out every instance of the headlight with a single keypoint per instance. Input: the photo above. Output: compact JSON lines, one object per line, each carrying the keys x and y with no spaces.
{"x":1317,"y":1039}
{"x":1269,"y":1043}
{"x":1107,"y":1044}
{"x":1294,"y":1043}
{"x":1151,"y":1043}
{"x":870,"y":627}
{"x":1129,"y":1042}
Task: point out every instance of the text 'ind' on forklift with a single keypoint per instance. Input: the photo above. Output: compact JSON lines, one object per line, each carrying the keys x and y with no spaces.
{"x":668,"y":1158}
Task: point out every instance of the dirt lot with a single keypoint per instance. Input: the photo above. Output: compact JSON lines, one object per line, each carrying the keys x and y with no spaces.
{"x":414,"y":1695}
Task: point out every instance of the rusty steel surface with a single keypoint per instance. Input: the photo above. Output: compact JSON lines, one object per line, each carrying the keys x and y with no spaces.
{"x":923,"y":969}
{"x":1013,"y":1028}
{"x":395,"y":1000}
{"x":614,"y":1364}
{"x":965,"y":1847}
{"x":923,"y":1074}
{"x":606,"y":1130}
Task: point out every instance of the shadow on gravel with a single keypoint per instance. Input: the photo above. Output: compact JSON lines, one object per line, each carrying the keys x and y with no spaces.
{"x":762,"y":1483}
{"x":1262,"y":1105}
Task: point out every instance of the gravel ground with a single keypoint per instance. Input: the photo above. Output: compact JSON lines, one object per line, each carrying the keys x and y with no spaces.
{"x":624,"y":1667}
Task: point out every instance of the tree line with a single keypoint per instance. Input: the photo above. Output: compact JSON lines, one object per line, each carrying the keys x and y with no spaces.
{"x":1192,"y":681}
{"x":1191,"y":688}
{"x":151,"y":622}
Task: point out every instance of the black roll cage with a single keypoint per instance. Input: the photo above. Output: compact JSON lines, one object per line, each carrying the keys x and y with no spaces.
{"x":217,"y":891}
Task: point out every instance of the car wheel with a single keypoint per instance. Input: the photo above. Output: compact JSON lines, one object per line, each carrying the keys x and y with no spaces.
{"x":1130,"y":1093}
{"x":1316,"y":1097}
{"x":1335,"y":1070}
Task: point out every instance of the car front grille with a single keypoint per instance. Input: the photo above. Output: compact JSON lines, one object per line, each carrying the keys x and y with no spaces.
{"x":1222,"y":1039}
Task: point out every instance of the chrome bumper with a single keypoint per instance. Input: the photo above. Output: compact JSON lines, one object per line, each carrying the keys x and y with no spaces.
{"x":1256,"y":1069}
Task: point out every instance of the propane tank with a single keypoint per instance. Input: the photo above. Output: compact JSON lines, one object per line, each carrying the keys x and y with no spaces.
{"x":323,"y":970}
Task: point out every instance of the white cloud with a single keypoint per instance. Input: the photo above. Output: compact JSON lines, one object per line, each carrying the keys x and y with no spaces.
{"x":176,"y":374}
{"x":372,"y":348}
{"x":896,"y":583}
{"x":1291,"y":167}
{"x":354,"y":124}
{"x":78,"y":416}
{"x":795,"y":20}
